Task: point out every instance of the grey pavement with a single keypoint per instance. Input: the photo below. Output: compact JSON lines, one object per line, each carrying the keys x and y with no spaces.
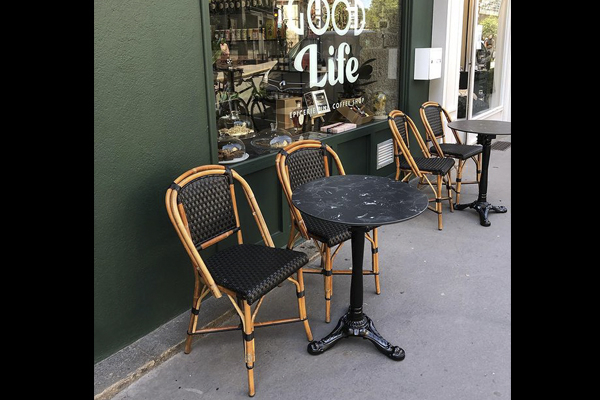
{"x":445,"y":299}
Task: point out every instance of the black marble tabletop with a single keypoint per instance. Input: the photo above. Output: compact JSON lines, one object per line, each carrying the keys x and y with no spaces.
{"x":359,"y":200}
{"x":482,"y":127}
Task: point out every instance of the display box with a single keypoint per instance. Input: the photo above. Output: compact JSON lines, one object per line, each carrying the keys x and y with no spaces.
{"x":284,"y":107}
{"x":338,"y":127}
{"x":353,"y":115}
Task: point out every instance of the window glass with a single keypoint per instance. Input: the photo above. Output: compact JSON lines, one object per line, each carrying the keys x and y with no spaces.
{"x":302,"y":68}
{"x":486,"y":23}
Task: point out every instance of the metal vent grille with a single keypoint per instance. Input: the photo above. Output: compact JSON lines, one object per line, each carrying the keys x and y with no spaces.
{"x":500,"y":145}
{"x":385,"y":153}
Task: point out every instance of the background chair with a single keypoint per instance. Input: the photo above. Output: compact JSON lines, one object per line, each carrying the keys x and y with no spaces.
{"x":202,"y":206}
{"x":302,"y":162}
{"x":400,"y":124}
{"x":431,"y":115}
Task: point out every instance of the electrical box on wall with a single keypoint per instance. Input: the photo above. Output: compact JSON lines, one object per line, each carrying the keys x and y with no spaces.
{"x":428,"y":63}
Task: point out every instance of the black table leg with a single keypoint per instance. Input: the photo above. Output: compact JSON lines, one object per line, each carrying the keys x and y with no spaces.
{"x":355,"y":322}
{"x":481,"y":205}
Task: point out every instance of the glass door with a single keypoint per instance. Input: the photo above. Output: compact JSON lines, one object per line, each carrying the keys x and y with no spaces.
{"x":481,"y":57}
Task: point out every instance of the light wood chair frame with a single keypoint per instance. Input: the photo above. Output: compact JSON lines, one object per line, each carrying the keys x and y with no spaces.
{"x":403,"y":148}
{"x":298,"y":227}
{"x":203,"y":281}
{"x":431,"y":137}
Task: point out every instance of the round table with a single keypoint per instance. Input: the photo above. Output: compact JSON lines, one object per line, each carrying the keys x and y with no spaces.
{"x":362,"y":202}
{"x":486,"y":130}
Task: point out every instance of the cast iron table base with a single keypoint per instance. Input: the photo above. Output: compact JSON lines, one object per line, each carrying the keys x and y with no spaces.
{"x":481,"y":205}
{"x":483,"y":208}
{"x":364,"y":328}
{"x":354,"y":323}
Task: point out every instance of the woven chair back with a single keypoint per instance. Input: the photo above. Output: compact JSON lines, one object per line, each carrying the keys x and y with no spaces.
{"x":301,"y":162}
{"x":208,"y":207}
{"x":433,"y":118}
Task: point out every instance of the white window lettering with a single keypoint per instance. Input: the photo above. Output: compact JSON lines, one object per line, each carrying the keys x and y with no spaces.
{"x":312,"y":49}
{"x":318,"y":31}
{"x":347,"y":71}
{"x":297,"y":30}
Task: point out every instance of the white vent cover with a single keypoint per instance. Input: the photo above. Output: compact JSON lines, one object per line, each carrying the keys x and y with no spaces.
{"x":385,"y":153}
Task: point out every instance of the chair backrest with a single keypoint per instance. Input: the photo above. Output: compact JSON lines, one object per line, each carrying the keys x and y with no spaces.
{"x":202,"y":206}
{"x":431,"y":115}
{"x":301,"y":162}
{"x":401,"y":125}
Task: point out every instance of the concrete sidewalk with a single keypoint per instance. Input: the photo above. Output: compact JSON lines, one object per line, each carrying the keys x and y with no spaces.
{"x":445,"y":299}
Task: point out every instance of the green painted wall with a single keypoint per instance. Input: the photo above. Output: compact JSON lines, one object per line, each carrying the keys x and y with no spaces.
{"x":150,"y":125}
{"x":416,"y":26}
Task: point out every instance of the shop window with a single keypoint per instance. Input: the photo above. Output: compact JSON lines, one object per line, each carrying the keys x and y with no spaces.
{"x":301,"y":68}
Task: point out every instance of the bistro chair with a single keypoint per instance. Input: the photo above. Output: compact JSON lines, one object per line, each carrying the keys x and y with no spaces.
{"x":202,"y":206}
{"x":420,"y":167}
{"x":431,"y":115}
{"x":301,"y":162}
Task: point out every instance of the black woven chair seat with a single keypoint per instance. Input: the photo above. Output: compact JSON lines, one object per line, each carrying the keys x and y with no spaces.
{"x":327,"y":232}
{"x":253,"y":270}
{"x":435,"y":165}
{"x":460,"y":151}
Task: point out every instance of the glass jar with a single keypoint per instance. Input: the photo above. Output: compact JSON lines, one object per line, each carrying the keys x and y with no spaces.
{"x":230,"y":148}
{"x":272,"y":139}
{"x":239,"y":126}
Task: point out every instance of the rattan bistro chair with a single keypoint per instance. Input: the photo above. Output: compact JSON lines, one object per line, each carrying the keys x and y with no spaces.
{"x":202,"y":206}
{"x":420,"y":167}
{"x":301,"y":162}
{"x":431,"y":115}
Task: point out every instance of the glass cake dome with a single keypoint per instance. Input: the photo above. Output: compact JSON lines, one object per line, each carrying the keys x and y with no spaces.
{"x":236,"y":125}
{"x":231,"y":148}
{"x":273,"y":138}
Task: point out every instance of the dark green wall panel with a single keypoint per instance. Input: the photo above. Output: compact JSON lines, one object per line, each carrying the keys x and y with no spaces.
{"x":150,"y":125}
{"x":416,"y":26}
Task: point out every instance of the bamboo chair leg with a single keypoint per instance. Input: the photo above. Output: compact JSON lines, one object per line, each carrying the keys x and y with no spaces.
{"x":328,"y":283}
{"x":249,"y":351}
{"x":375,"y":252}
{"x":438,"y":202}
{"x":193,"y":317}
{"x":302,"y":304}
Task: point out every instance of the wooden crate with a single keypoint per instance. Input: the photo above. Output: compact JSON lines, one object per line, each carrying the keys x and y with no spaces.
{"x":284,"y":107}
{"x":355,"y":117}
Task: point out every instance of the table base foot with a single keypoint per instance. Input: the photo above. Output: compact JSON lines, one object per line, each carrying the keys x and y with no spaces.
{"x":483,"y":208}
{"x":363,"y":328}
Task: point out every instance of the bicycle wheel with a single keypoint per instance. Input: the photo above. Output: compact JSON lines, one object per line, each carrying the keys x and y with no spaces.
{"x":261,"y":114}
